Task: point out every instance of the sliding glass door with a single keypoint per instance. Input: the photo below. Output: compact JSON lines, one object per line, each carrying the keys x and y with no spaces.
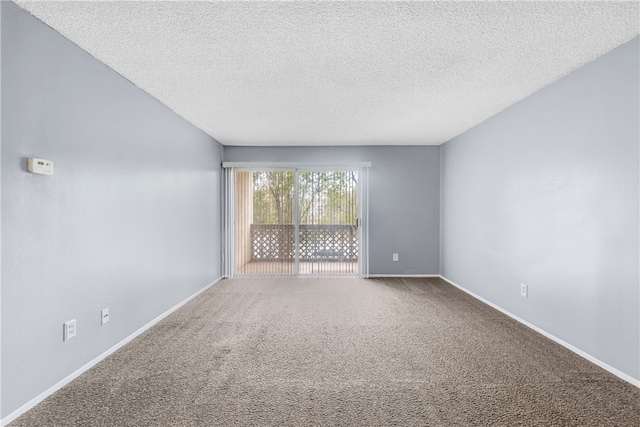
{"x":294,"y":222}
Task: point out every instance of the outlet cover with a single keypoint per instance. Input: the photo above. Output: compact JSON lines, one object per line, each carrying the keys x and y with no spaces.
{"x":524,"y":290}
{"x":69,"y":330}
{"x":395,"y":257}
{"x":105,"y":316}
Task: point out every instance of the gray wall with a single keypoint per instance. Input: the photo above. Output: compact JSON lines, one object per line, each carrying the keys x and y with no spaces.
{"x":0,"y":212}
{"x":130,"y":220}
{"x":546,"y":193}
{"x":403,"y":198}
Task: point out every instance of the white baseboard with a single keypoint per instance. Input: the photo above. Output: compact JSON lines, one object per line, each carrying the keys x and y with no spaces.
{"x":373,"y":276}
{"x":39,"y":398}
{"x":48,"y":392}
{"x":552,"y":337}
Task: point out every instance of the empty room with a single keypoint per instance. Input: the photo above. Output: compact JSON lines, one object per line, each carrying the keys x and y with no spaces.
{"x":322,"y":213}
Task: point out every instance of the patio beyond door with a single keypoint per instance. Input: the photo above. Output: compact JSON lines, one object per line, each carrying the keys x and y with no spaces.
{"x":296,"y":222}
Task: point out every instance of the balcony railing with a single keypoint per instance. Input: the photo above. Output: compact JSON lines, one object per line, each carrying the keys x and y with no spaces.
{"x":326,"y":243}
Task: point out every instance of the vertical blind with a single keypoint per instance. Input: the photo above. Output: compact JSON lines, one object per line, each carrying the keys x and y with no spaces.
{"x":285,"y":221}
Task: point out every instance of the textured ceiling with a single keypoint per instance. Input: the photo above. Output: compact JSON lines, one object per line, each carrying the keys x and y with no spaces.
{"x":341,"y":73}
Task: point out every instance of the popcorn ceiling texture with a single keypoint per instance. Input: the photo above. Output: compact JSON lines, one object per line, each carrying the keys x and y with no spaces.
{"x":341,"y":73}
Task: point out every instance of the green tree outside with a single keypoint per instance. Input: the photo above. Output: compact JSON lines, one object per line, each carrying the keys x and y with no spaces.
{"x":325,"y":197}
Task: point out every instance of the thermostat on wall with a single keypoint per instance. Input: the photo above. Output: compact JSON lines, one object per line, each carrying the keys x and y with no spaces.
{"x":41,"y":166}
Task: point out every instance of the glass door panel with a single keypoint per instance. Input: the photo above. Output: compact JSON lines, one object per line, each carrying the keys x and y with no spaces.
{"x":328,"y":222}
{"x":265,"y":228}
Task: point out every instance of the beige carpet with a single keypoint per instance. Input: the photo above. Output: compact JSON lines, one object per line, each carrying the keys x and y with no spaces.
{"x":347,"y":352}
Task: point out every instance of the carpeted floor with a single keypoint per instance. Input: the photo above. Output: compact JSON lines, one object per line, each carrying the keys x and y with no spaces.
{"x":347,"y":352}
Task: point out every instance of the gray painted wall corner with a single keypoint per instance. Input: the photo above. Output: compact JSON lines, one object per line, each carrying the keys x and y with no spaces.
{"x":546,"y":193}
{"x":130,"y":220}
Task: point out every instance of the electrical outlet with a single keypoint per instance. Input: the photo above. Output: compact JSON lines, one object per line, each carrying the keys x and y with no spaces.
{"x":69,"y":330}
{"x":524,"y":290}
{"x":105,"y":316}
{"x":395,"y":257}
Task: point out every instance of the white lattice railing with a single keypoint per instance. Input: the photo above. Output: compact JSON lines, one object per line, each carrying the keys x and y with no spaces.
{"x":326,"y":242}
